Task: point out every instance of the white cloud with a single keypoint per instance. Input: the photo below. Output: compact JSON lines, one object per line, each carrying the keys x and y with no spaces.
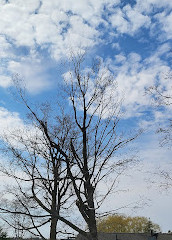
{"x":53,"y":24}
{"x":116,"y":46}
{"x":90,"y":11}
{"x":33,"y":72}
{"x":119,"y":22}
{"x":136,"y":19}
{"x":5,"y":81}
{"x":5,"y":53}
{"x":4,"y":48}
{"x":61,"y":25}
{"x":17,"y":132}
{"x":15,"y":25}
{"x":165,"y":20}
{"x":45,"y":31}
{"x":27,"y":5}
{"x":129,"y":20}
{"x":134,"y":75}
{"x":120,"y":58}
{"x":9,"y":121}
{"x":149,"y":6}
{"x":161,"y":20}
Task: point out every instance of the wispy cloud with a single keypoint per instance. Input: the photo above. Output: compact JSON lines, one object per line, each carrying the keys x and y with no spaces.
{"x":33,"y":73}
{"x":129,"y":20}
{"x":59,"y":26}
{"x":134,"y":74}
{"x":9,"y":121}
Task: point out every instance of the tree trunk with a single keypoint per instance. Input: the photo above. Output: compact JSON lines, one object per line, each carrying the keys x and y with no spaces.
{"x":53,"y":229}
{"x":93,"y":226}
{"x":93,"y":234}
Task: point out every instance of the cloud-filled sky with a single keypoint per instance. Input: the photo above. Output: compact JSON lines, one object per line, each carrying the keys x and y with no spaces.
{"x":132,"y":37}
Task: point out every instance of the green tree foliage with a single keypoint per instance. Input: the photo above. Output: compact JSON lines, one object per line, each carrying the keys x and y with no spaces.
{"x":122,"y":223}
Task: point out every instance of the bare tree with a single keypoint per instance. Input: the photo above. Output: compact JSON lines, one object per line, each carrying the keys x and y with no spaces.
{"x":96,"y":110}
{"x":68,"y":157}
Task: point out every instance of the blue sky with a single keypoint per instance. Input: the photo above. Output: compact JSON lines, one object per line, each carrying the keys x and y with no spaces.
{"x":133,"y":38}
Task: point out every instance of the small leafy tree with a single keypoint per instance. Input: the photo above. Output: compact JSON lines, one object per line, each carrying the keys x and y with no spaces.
{"x":125,"y":224}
